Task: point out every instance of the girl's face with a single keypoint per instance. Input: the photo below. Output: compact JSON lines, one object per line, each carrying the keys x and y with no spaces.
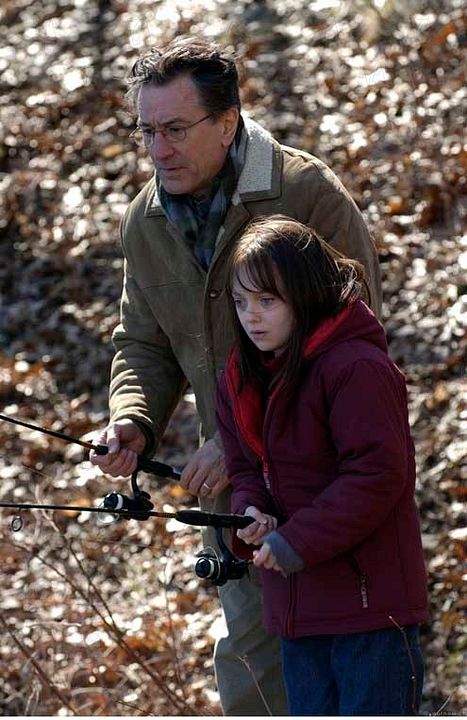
{"x":266,"y":318}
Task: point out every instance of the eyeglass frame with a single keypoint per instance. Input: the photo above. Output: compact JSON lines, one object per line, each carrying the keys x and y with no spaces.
{"x":165,"y":132}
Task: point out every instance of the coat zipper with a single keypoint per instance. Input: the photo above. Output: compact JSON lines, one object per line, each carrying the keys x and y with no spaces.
{"x":267,"y":475}
{"x":290,"y":608}
{"x":266,"y":478}
{"x":362,"y":577}
{"x":364,"y":590}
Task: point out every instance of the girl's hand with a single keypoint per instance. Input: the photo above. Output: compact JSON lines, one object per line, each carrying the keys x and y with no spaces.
{"x":254,"y":533}
{"x":265,"y":558}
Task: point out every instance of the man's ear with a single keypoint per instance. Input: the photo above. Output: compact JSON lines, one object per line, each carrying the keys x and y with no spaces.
{"x":229,"y":125}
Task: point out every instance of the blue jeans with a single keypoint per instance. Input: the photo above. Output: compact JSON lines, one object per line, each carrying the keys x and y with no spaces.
{"x":370,"y":673}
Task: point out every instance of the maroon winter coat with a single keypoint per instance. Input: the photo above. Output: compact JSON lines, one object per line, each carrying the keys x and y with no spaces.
{"x":335,"y":464}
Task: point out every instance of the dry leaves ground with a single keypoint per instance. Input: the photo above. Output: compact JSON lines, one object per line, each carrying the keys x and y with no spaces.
{"x":110,"y":620}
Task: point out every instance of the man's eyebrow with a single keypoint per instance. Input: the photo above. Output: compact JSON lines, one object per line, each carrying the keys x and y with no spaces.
{"x":173,"y":121}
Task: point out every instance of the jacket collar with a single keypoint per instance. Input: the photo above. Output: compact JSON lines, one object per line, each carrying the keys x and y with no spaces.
{"x":260,"y":178}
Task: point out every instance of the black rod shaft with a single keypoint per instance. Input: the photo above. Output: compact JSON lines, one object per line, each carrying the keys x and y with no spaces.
{"x":188,"y":517}
{"x":54,"y":433}
{"x":80,"y":508}
{"x":151,"y":466}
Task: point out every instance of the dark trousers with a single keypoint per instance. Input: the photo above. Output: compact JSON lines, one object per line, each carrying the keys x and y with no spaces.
{"x":370,"y":673}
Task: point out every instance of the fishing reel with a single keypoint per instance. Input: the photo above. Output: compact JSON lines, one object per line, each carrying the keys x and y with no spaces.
{"x":219,"y":567}
{"x":138,"y":506}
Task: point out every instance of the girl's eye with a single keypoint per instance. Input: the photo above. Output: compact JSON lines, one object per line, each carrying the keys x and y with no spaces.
{"x":239,"y":303}
{"x":266,"y":301}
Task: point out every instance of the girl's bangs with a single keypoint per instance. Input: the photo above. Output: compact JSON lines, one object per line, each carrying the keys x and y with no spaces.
{"x":260,"y":272}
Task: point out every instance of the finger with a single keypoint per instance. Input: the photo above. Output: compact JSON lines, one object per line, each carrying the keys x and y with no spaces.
{"x":259,"y":535}
{"x":120,"y":465}
{"x":248,"y":533}
{"x":188,"y":472}
{"x":196,"y":483}
{"x":128,"y":461}
{"x":280,"y":570}
{"x":259,"y":556}
{"x":217,"y":486}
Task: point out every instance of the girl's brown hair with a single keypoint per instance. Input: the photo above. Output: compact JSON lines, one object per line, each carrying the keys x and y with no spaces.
{"x":284,"y":257}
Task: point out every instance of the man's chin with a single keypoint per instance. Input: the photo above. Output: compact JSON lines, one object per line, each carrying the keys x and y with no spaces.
{"x":175,"y":186}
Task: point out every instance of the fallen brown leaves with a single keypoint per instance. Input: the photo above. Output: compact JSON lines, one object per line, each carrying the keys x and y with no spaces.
{"x":110,"y":620}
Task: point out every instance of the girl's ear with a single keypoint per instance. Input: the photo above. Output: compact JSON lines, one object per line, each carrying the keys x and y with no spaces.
{"x":229,"y":126}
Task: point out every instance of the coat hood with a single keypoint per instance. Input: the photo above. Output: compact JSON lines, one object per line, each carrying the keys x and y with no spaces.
{"x":355,"y":322}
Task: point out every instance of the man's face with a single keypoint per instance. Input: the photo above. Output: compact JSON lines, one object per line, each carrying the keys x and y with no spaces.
{"x":188,"y":166}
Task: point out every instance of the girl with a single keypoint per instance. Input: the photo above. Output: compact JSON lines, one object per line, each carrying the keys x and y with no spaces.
{"x":313,"y":418}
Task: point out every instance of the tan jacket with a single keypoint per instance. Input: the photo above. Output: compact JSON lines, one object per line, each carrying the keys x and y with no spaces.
{"x":175,"y":329}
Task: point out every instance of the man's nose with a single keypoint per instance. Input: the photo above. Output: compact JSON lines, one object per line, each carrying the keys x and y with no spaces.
{"x":160,"y":149}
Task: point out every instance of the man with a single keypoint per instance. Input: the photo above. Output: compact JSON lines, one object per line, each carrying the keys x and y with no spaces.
{"x":214,"y":172}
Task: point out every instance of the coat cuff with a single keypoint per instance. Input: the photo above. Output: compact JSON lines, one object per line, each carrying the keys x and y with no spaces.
{"x":150,"y":445}
{"x":286,"y":557}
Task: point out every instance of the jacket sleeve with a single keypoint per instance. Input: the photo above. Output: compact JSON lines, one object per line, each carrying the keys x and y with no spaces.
{"x":336,"y":217}
{"x":146,"y":380}
{"x":374,"y":455}
{"x":245,"y":475}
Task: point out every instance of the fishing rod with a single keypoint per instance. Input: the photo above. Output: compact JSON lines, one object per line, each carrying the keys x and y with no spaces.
{"x":151,"y":466}
{"x":218,"y":567}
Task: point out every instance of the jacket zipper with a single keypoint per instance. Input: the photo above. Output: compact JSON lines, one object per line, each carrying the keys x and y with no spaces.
{"x":362,"y":577}
{"x":290,"y":608}
{"x":364,"y":590}
{"x":267,"y":475}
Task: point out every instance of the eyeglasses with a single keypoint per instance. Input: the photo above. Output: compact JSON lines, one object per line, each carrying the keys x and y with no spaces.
{"x":145,"y":138}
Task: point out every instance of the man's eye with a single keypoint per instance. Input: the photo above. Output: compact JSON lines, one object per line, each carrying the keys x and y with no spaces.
{"x":175,"y":133}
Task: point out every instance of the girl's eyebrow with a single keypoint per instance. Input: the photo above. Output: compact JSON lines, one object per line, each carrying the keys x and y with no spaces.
{"x":249,"y":290}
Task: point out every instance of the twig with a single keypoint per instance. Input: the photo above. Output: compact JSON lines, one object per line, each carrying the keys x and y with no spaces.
{"x":413,"y":677}
{"x":244,"y":660}
{"x":112,"y":628}
{"x":133,"y":707}
{"x":176,"y":658}
{"x":440,"y":710}
{"x":44,"y":678}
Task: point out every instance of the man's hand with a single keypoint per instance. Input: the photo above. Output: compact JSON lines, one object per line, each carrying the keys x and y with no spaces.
{"x":205,"y":474}
{"x":125,"y":442}
{"x":254,"y":533}
{"x":264,"y":557}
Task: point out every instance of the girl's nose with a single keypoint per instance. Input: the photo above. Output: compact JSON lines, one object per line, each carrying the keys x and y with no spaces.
{"x":253,"y":313}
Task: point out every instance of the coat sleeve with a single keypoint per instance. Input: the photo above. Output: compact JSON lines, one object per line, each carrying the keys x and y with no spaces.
{"x":374,"y":454}
{"x":245,"y":474}
{"x":146,"y":380}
